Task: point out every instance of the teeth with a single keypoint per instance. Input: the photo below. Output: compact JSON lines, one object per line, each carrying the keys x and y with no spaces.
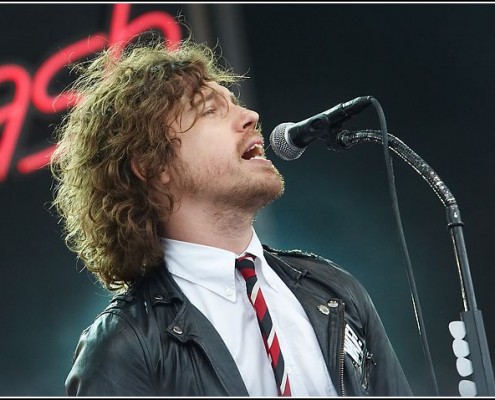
{"x":255,"y":151}
{"x":254,"y":145}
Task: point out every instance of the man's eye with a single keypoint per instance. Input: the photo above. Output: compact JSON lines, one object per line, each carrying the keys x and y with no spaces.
{"x":208,"y":111}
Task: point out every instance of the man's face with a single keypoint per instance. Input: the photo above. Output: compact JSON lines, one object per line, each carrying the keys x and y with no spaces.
{"x":221,"y":159}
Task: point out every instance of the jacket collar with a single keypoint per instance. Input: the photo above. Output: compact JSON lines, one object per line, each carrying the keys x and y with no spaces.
{"x":163,"y":289}
{"x":158,"y":283}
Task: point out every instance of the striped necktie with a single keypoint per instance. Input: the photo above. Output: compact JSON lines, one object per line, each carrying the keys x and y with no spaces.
{"x":245,"y":264}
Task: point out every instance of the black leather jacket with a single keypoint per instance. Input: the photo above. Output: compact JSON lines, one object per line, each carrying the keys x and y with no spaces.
{"x":151,"y":341}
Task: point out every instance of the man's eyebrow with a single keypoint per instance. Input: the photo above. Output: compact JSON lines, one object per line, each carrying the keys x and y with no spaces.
{"x":203,"y":99}
{"x":211,"y":95}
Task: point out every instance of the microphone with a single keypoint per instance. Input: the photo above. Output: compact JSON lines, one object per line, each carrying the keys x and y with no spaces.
{"x":289,"y":140}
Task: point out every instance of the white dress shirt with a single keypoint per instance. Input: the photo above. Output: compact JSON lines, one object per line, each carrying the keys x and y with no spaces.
{"x":209,"y":279}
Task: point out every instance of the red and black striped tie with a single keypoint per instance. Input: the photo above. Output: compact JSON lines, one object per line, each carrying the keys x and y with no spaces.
{"x":245,"y":264}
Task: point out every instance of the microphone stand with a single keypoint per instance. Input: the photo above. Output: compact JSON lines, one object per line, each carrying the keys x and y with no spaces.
{"x":473,"y":320}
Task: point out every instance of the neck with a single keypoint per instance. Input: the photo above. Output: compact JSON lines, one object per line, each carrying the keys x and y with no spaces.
{"x":210,"y":225}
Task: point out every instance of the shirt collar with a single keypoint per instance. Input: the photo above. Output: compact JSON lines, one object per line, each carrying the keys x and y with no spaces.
{"x":254,"y":247}
{"x":210,"y":267}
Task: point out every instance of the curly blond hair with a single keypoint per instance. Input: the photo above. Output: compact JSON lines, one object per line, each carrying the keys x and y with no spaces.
{"x":127,"y":100}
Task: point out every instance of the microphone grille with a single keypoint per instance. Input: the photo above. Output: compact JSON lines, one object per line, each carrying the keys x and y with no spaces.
{"x":281,"y":144}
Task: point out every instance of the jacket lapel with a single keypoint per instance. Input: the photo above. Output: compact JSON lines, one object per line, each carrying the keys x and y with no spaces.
{"x":190,"y":325}
{"x":325,"y":313}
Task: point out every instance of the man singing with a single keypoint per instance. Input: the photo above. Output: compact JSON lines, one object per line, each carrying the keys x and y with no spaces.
{"x":160,"y":172}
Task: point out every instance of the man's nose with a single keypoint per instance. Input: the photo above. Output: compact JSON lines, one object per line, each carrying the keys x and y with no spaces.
{"x":248,"y":119}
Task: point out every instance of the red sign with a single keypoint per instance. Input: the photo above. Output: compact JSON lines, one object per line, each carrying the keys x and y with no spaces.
{"x":34,"y":90}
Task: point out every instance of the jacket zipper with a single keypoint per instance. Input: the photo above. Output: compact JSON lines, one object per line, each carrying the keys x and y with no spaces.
{"x":342,"y":354}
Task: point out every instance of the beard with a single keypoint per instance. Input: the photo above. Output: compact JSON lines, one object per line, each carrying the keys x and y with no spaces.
{"x":229,"y":187}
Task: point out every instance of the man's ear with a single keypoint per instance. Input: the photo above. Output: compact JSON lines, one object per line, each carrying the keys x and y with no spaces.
{"x":138,"y":169}
{"x":164,"y":175}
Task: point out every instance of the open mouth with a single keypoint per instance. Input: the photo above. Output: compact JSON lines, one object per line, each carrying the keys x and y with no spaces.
{"x":255,"y":151}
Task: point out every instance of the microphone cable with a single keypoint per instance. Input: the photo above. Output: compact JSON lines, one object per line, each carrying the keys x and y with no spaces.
{"x":395,"y":206}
